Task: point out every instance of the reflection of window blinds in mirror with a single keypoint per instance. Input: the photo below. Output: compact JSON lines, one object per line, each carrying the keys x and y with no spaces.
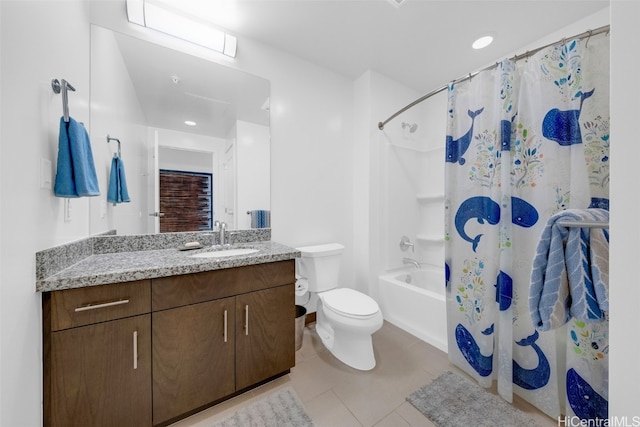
{"x":186,"y":201}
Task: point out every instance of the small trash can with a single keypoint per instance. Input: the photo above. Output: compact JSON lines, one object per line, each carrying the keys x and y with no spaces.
{"x":301,"y":314}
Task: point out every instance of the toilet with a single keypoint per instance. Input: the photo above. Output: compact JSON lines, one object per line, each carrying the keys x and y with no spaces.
{"x":345,"y":318}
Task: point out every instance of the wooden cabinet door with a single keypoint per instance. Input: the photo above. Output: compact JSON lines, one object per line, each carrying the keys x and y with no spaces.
{"x":101,"y":374}
{"x":193,"y":357}
{"x":265,"y":334}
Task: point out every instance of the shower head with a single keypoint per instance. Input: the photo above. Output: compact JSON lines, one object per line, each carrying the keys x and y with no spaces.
{"x":411,"y":126}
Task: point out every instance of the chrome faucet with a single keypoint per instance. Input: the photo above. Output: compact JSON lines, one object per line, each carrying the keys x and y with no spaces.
{"x":223,"y":233}
{"x":411,"y":261}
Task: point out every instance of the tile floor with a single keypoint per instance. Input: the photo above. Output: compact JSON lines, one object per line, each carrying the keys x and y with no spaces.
{"x":335,"y":395}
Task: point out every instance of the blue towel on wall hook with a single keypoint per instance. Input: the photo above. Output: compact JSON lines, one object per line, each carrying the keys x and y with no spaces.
{"x":75,"y":172}
{"x":260,"y":218}
{"x":117,"y":192}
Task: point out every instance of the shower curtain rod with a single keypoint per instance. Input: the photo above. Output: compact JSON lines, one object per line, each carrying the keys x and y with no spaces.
{"x":588,"y":33}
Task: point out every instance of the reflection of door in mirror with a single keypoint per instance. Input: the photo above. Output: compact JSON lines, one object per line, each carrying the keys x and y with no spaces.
{"x":195,"y":181}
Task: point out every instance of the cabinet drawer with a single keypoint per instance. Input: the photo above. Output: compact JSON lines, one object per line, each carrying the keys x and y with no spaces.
{"x":176,"y":291}
{"x":84,"y":306}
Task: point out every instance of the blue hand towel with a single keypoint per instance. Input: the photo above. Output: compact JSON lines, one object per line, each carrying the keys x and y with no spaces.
{"x":117,"y":192}
{"x":562,"y":276}
{"x":75,"y":172}
{"x":260,"y":218}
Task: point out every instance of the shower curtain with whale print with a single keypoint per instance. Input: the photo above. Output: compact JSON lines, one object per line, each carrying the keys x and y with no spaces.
{"x":524,"y":141}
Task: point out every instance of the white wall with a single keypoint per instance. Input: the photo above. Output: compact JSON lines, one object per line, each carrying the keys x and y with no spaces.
{"x":32,"y":217}
{"x":253,"y":179}
{"x":185,"y":160}
{"x":624,"y":365}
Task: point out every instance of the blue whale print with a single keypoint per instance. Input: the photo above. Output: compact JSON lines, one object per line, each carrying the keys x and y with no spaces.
{"x":447,"y":275}
{"x":455,"y":149}
{"x":483,"y":365}
{"x":532,"y":379}
{"x":599,"y":202}
{"x":523,"y":213}
{"x":505,"y":135}
{"x":480,"y":207}
{"x":484,"y":209}
{"x":584,"y":400}
{"x":504,"y":290}
{"x":564,"y":126}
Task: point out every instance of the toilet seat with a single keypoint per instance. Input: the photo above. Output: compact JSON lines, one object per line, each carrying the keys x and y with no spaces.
{"x":350,"y":303}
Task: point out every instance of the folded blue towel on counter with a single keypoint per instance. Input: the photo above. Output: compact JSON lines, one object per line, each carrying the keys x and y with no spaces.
{"x":260,"y":218}
{"x":75,"y":172}
{"x":118,"y":192}
{"x":562,"y":282}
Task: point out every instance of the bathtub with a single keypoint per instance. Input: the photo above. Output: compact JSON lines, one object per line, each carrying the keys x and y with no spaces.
{"x":414,"y":301}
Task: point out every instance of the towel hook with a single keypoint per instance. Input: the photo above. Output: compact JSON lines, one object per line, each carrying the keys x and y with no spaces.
{"x":58,"y":87}
{"x":109,"y":139}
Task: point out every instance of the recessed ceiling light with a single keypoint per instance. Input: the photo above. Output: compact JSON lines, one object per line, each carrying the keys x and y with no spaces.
{"x":190,"y":123}
{"x":482,"y":42}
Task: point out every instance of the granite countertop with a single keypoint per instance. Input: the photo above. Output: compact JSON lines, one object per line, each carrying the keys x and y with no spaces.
{"x":119,"y":267}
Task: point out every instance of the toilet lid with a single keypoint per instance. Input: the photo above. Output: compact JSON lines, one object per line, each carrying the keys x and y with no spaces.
{"x":350,"y":302}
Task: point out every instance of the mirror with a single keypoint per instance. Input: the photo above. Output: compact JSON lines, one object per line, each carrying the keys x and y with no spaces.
{"x":142,"y":94}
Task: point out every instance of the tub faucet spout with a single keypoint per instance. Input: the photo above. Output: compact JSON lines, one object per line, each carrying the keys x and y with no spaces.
{"x":411,"y":261}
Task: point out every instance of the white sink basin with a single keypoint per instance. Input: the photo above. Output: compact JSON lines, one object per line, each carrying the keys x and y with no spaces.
{"x":225,"y":252}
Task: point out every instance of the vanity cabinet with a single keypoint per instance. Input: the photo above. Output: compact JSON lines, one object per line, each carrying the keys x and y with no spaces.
{"x":265,"y":334}
{"x":220,"y":332}
{"x":97,"y":356}
{"x":193,"y":357}
{"x":153,"y":351}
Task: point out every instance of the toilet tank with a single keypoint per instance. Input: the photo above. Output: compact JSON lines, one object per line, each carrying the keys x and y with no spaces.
{"x":320,"y":265}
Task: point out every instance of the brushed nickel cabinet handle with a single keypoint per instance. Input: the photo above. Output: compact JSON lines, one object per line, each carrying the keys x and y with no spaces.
{"x":246,"y":319}
{"x":103,"y":305}
{"x":225,"y":326}
{"x":135,"y":349}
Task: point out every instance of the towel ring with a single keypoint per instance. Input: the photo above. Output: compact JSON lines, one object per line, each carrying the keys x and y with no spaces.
{"x":109,"y":139}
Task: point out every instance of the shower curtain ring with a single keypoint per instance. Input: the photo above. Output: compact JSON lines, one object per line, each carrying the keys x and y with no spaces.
{"x":588,"y":38}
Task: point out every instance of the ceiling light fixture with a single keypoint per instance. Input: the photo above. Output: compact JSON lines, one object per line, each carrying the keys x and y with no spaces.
{"x":482,"y":42}
{"x":396,"y":3}
{"x":155,"y":16}
{"x":190,"y":123}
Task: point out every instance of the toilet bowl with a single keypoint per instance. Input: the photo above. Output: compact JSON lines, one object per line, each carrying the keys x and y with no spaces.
{"x":345,"y":318}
